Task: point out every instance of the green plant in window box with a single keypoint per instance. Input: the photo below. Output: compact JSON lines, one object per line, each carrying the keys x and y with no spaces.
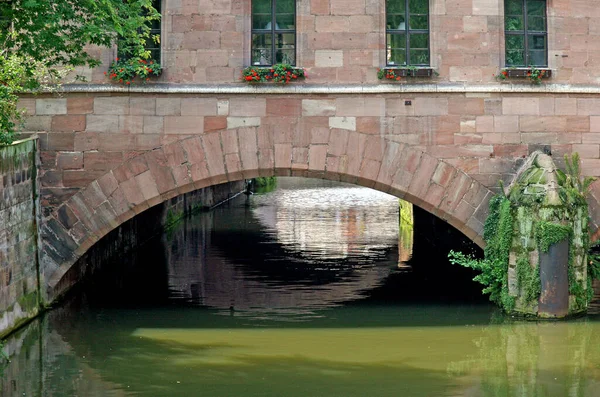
{"x":125,"y":71}
{"x":396,"y":74}
{"x":282,"y":73}
{"x":534,"y":74}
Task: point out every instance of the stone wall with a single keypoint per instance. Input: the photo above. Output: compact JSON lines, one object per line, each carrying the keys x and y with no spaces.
{"x":19,"y":210}
{"x":484,"y":134}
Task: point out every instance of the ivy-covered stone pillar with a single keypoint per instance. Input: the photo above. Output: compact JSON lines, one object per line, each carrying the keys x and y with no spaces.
{"x":537,"y":242}
{"x":547,"y":269}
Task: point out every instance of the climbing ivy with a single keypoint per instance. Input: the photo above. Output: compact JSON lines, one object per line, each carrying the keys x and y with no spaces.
{"x":497,"y":234}
{"x":528,"y":277}
{"x":527,"y":210}
{"x":549,"y":233}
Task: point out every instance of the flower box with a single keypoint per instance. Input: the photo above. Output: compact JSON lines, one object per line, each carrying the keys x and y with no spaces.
{"x":278,"y":73}
{"x":396,"y":73}
{"x":532,"y":73}
{"x":131,"y":70}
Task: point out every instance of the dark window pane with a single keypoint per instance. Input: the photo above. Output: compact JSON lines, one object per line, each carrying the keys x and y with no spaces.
{"x":514,"y":23}
{"x":513,"y":7}
{"x":285,"y":6}
{"x":155,"y":54}
{"x":285,"y":56}
{"x":261,"y":57}
{"x":262,"y":40}
{"x":261,"y":49}
{"x":396,"y":57}
{"x":419,"y":57}
{"x":536,"y":7}
{"x":396,"y":21}
{"x":418,"y":6}
{"x":285,"y":40}
{"x":515,"y":42}
{"x":261,"y":6}
{"x":395,"y":7}
{"x":537,"y":58}
{"x":515,"y":57}
{"x":396,"y":40}
{"x":261,"y":21}
{"x":285,"y":21}
{"x":537,"y":24}
{"x":419,"y":41}
{"x":285,"y":48}
{"x":418,"y":22}
{"x":396,"y":49}
{"x":537,"y":42}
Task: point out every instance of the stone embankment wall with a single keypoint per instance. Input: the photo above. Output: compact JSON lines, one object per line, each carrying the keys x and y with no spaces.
{"x":19,"y":209}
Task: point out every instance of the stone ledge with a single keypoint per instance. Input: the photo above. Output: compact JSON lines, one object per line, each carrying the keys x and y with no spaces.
{"x":309,"y":89}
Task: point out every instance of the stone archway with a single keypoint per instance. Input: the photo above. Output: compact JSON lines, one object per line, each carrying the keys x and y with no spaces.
{"x":228,"y":155}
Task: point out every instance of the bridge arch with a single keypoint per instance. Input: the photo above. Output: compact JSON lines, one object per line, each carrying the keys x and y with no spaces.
{"x":229,"y":155}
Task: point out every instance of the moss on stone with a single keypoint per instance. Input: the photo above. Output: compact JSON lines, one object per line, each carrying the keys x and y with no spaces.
{"x":546,"y":207}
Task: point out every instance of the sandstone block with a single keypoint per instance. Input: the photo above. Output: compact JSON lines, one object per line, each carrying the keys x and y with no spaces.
{"x":184,"y":125}
{"x":50,"y":106}
{"x":238,"y":122}
{"x":168,"y":106}
{"x":343,"y":123}
{"x":199,"y":107}
{"x":111,"y":105}
{"x":329,"y":58}
{"x":318,"y":107}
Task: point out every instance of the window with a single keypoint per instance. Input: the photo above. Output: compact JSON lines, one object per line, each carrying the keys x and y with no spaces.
{"x":153,"y":42}
{"x":526,"y":33}
{"x":407,"y":32}
{"x":273,"y":32}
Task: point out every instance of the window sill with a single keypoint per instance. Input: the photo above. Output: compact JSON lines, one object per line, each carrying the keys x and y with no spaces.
{"x":397,"y":72}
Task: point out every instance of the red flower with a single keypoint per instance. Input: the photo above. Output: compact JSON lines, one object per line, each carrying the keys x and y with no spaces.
{"x":275,"y":75}
{"x":117,"y":59}
{"x":128,"y":82}
{"x":248,"y":78}
{"x":504,"y":73}
{"x":398,"y":78}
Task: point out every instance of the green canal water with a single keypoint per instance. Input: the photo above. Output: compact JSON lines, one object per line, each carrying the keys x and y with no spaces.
{"x":302,"y":291}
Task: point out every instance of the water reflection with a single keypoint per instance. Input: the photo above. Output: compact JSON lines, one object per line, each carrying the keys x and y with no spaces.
{"x":105,"y":354}
{"x":406,"y":234}
{"x":263,"y":299}
{"x":288,"y":253}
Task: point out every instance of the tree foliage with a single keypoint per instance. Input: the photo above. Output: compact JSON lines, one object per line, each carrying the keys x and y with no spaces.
{"x":41,"y":39}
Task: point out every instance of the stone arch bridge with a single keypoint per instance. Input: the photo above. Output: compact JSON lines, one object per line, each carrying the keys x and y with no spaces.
{"x":109,"y":154}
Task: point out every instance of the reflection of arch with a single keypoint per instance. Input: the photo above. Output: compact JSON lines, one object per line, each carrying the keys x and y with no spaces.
{"x":231,"y":155}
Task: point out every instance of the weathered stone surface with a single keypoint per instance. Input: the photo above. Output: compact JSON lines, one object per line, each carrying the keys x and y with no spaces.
{"x":19,"y":214}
